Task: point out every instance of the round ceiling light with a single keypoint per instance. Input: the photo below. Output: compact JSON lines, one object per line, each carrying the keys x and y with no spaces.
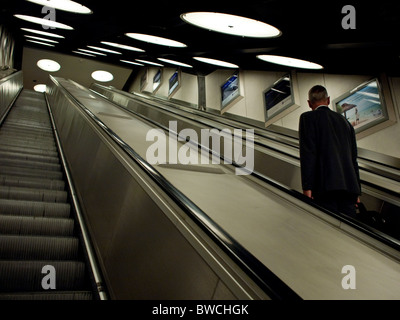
{"x":65,"y":5}
{"x":231,"y":24}
{"x":102,"y":76}
{"x":44,"y":22}
{"x":217,"y":62}
{"x":48,"y":65}
{"x":290,"y":62}
{"x":156,"y":40}
{"x":177,"y":63}
{"x":40,"y":88}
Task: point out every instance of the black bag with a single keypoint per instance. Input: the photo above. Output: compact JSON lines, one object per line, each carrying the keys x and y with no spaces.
{"x":369,"y":217}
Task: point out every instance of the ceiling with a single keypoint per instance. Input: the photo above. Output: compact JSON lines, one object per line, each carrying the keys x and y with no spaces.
{"x":311,"y":30}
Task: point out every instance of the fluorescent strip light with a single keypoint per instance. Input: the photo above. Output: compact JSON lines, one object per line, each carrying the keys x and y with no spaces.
{"x":217,"y":62}
{"x":41,"y":39}
{"x":43,"y":22}
{"x":231,"y":24}
{"x":149,"y":62}
{"x":156,"y":40}
{"x":83,"y":53}
{"x":48,"y":34}
{"x":105,"y":50}
{"x":175,"y":62}
{"x":290,"y":62}
{"x":122,"y":46}
{"x":42,"y":43}
{"x":94,"y":52}
{"x":131,"y":62}
{"x":65,"y":5}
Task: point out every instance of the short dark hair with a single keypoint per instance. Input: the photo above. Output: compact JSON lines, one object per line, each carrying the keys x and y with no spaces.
{"x":317,"y":93}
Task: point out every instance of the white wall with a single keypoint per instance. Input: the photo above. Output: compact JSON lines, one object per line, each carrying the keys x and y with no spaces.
{"x":251,"y":106}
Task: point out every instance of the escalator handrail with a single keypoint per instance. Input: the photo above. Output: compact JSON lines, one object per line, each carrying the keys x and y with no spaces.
{"x":264,"y":278}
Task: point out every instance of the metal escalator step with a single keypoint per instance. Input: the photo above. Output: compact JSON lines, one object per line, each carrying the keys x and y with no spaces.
{"x":30,"y":172}
{"x":34,"y":208}
{"x":52,"y":295}
{"x":29,"y":164}
{"x":28,"y":150}
{"x":22,"y":143}
{"x":25,"y":182}
{"x":17,"y":193}
{"x":18,"y":247}
{"x":22,"y":225}
{"x":26,"y":135}
{"x":27,"y":156}
{"x":27,"y":275}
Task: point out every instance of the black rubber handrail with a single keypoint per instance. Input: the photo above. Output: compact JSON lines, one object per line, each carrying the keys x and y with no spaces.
{"x":265,"y":278}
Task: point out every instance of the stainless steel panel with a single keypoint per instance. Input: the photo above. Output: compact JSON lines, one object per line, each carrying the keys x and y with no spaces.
{"x":144,"y":252}
{"x":10,"y":87}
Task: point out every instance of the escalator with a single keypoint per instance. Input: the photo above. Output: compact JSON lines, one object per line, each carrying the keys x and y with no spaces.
{"x":41,"y":253}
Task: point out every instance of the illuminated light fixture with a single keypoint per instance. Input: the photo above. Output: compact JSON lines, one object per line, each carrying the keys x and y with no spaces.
{"x":149,"y":62}
{"x":42,"y":43}
{"x":102,"y":76}
{"x":290,"y":62}
{"x":105,"y":50}
{"x":93,"y":52}
{"x":43,"y":22}
{"x":40,"y":88}
{"x":217,"y":62}
{"x":231,"y":24}
{"x":41,"y":39}
{"x":48,"y":65}
{"x":48,"y":34}
{"x":131,"y":62}
{"x":156,"y":40}
{"x":83,"y":53}
{"x":65,"y":5}
{"x":175,"y":62}
{"x":122,"y":46}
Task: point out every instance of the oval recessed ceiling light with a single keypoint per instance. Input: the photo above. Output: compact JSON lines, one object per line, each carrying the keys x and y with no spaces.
{"x":122,"y":46}
{"x":217,"y":62}
{"x":40,"y":88}
{"x":102,"y":76}
{"x":41,"y":39}
{"x":43,"y":22}
{"x":231,"y":24}
{"x":131,"y":62}
{"x":290,"y":62}
{"x":65,"y":5}
{"x":48,"y":65}
{"x":156,"y":40}
{"x":105,"y":50}
{"x":48,"y":34}
{"x":177,"y":63}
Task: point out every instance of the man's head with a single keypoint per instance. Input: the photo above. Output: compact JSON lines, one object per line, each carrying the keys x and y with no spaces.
{"x":318,"y":96}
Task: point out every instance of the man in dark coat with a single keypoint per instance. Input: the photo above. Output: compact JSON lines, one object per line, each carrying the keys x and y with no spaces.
{"x":328,"y":156}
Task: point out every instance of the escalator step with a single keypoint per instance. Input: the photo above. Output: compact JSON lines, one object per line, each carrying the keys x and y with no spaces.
{"x":34,"y":209}
{"x":14,"y":247}
{"x":27,"y":156}
{"x":15,"y":193}
{"x":30,"y":172}
{"x":24,"y":182}
{"x":29,"y":164}
{"x":66,"y":295}
{"x":30,"y":151}
{"x":27,"y":275}
{"x":21,"y":225}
